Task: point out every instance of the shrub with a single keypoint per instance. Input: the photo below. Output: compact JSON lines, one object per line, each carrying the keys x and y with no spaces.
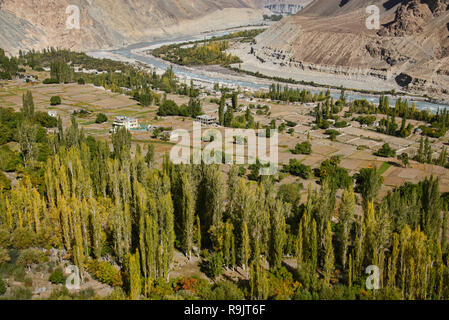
{"x":330,"y":170}
{"x":31,"y":256}
{"x":117,"y":294}
{"x":216,"y":265}
{"x":50,"y":81}
{"x":9,"y":160}
{"x":6,"y":134}
{"x":168,"y":108}
{"x":186,"y":284}
{"x":366,"y":120}
{"x":86,"y":294}
{"x":101,"y":118}
{"x":105,"y":272}
{"x":290,"y":193}
{"x":57,"y":276}
{"x":20,"y":294}
{"x":64,"y":294}
{"x":282,"y":284}
{"x":60,"y":294}
{"x":46,"y":120}
{"x":302,"y":294}
{"x":341,"y":124}
{"x":3,"y":287}
{"x":404,"y":158}
{"x":298,"y":169}
{"x":223,"y":290}
{"x":55,"y":100}
{"x":161,"y":290}
{"x":22,"y":238}
{"x":303,"y":148}
{"x":324,"y":124}
{"x":242,"y":171}
{"x":81,"y":81}
{"x":332,"y":134}
{"x":386,"y":151}
{"x":19,"y":274}
{"x":7,"y":269}
{"x":4,"y":255}
{"x":282,"y":127}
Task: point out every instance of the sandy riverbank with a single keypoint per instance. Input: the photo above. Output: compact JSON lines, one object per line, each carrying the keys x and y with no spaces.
{"x":251,"y":63}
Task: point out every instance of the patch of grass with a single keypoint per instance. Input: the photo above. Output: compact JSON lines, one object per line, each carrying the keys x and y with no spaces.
{"x":124,"y":112}
{"x":384,"y":167}
{"x":19,"y":274}
{"x":154,"y":141}
{"x":88,"y":123}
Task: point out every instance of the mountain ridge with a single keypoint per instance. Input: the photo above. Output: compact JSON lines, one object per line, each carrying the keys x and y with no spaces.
{"x":34,"y":24}
{"x":411,"y":49}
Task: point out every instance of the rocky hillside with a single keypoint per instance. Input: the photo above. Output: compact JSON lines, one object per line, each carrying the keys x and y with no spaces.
{"x":27,"y":24}
{"x":411,"y":48}
{"x":284,"y":6}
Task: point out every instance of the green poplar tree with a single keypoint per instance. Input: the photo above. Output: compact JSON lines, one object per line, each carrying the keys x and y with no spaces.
{"x":346,"y":215}
{"x":328,"y":254}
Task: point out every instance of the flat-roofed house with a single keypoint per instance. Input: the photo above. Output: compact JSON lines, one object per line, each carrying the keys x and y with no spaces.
{"x":169,"y":135}
{"x":206,"y":120}
{"x":128,"y":123}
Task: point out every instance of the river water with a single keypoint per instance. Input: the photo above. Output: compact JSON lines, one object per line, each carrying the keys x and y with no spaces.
{"x":135,"y":52}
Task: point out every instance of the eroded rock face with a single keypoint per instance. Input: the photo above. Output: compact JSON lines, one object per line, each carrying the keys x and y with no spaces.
{"x":104,"y":23}
{"x":411,"y":49}
{"x":412,"y":17}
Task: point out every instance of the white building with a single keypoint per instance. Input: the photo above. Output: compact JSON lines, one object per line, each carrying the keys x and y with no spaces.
{"x":169,"y":135}
{"x":128,"y":123}
{"x":206,"y":120}
{"x":151,"y":128}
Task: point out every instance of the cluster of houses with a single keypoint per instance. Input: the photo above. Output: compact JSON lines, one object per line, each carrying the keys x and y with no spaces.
{"x":133,"y":124}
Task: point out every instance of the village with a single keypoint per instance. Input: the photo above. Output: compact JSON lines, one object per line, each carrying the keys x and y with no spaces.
{"x":355,"y":144}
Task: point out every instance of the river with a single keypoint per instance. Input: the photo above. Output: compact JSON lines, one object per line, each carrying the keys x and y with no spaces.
{"x":135,"y":52}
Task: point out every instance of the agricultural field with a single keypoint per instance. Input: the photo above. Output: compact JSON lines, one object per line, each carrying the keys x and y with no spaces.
{"x":355,"y":144}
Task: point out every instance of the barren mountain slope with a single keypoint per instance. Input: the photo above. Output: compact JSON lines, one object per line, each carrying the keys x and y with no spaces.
{"x":411,"y":48}
{"x":111,"y":23}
